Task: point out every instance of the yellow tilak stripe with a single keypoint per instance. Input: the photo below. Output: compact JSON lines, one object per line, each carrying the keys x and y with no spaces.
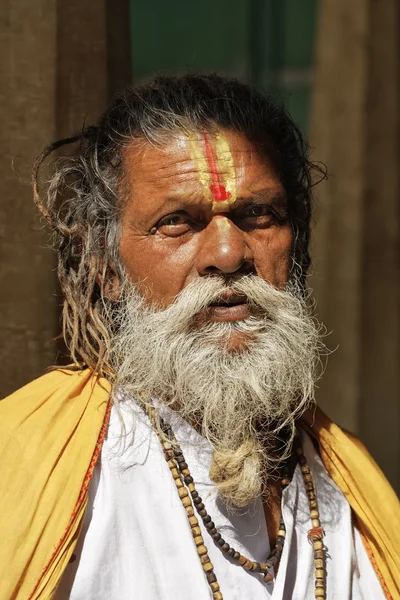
{"x":197,"y":155}
{"x":223,"y":224}
{"x":225,"y":163}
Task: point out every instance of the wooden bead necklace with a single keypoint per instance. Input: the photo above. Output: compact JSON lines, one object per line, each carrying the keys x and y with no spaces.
{"x":191,"y":500}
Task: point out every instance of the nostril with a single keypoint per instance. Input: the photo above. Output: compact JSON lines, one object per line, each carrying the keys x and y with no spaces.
{"x":229,"y":266}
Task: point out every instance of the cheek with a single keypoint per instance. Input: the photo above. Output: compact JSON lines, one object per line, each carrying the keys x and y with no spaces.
{"x":273,"y":256}
{"x":159,"y":271}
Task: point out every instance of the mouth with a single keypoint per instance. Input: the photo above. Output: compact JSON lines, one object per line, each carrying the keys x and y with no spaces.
{"x":230,"y":299}
{"x":230,"y":306}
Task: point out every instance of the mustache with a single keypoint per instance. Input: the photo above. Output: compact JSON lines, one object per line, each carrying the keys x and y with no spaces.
{"x":199,"y":295}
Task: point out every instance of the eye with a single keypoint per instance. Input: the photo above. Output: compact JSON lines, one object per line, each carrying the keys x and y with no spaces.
{"x":265,"y":214}
{"x":171,"y":220}
{"x":258,"y":210}
{"x":173,"y":225}
{"x":260,"y":216}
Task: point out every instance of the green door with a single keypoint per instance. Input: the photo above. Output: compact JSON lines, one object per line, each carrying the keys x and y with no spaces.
{"x":266,"y":42}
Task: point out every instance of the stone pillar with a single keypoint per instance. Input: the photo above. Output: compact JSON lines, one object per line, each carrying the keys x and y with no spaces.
{"x":355,"y":131}
{"x":60,"y":63}
{"x":82,"y":79}
{"x":28,"y":311}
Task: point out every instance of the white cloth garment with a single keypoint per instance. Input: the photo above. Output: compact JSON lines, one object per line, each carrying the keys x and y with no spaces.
{"x":136,"y":542}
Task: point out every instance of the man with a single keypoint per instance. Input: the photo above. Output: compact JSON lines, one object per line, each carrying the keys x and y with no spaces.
{"x":182,"y":456}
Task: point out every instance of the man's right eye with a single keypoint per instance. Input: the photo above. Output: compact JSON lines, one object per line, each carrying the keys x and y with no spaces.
{"x":173,"y":225}
{"x":172,"y":220}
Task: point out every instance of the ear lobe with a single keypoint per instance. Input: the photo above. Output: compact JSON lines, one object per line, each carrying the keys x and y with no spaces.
{"x":109,"y":283}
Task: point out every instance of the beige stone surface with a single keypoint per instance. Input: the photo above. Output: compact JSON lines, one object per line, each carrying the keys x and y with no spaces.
{"x":356,"y":247}
{"x":59,"y":66}
{"x":28,"y":311}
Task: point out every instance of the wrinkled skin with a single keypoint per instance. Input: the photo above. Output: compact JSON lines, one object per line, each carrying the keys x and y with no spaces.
{"x":172,"y":233}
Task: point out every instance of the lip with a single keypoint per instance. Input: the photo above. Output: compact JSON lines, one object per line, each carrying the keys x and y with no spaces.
{"x":230,"y":299}
{"x":237,"y":312}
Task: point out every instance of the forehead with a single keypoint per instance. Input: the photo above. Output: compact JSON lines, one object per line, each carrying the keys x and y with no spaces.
{"x":216,"y":167}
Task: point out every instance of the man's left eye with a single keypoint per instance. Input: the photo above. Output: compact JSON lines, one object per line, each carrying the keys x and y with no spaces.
{"x":257,"y":211}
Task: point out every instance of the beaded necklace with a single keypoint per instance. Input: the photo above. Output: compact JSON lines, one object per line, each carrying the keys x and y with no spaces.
{"x":191,"y":500}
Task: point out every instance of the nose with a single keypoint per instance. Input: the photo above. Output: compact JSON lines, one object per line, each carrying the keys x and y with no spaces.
{"x":223,"y":249}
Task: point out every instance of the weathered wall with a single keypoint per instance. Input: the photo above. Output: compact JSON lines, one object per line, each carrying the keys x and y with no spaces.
{"x":355,"y":131}
{"x":60,"y":64}
{"x":28,"y":313}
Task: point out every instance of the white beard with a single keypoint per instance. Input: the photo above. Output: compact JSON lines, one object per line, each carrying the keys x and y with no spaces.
{"x":238,"y":400}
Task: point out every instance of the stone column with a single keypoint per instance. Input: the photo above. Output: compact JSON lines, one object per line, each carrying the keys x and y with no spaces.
{"x":356,"y":250}
{"x":28,"y":311}
{"x":61,"y":61}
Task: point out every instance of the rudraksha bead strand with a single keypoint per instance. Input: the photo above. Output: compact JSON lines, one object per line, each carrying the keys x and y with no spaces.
{"x":248,"y":564}
{"x":190,"y":498}
{"x":180,"y":473}
{"x":316,"y":533}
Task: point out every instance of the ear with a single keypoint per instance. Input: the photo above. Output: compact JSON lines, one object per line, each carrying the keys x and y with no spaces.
{"x":109,"y":282}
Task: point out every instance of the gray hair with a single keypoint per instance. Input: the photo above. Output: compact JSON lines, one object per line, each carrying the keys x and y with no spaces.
{"x":85,"y":194}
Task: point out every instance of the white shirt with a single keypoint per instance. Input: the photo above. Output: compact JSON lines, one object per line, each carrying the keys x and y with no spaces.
{"x":136,"y":542}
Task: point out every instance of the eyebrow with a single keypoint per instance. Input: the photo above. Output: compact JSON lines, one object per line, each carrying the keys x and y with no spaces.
{"x":275,"y":198}
{"x":269,"y":194}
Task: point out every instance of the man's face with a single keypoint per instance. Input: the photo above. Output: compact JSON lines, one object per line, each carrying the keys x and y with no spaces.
{"x":206,"y":238}
{"x":203,"y":204}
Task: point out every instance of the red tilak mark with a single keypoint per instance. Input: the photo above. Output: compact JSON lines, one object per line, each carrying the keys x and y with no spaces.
{"x":219,"y":191}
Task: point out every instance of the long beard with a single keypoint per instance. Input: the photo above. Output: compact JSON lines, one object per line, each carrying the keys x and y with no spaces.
{"x":239,"y":400}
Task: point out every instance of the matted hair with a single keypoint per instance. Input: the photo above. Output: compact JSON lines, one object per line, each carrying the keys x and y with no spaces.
{"x":84,"y":197}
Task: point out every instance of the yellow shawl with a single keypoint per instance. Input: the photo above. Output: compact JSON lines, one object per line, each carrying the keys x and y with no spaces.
{"x":51,"y":432}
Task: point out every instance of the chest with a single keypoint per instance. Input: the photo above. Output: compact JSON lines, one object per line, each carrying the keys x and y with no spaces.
{"x":137,"y":542}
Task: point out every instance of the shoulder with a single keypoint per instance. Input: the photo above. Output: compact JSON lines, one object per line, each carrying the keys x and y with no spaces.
{"x":341,"y":451}
{"x":51,"y":432}
{"x":356,"y":473}
{"x":374,"y":503}
{"x":53,"y":379}
{"x":53,"y":393}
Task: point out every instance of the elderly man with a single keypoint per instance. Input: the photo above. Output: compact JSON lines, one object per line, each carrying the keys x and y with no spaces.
{"x":181,"y":456}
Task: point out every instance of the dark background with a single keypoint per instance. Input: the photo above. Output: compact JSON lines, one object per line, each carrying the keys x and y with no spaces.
{"x":337,"y":65}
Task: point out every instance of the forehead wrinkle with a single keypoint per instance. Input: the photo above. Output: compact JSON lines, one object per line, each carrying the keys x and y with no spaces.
{"x":200,"y":162}
{"x":176,"y":174}
{"x":180,"y":171}
{"x":198,"y":157}
{"x":174,"y":167}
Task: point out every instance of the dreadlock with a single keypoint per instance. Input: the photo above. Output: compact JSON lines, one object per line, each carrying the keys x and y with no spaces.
{"x":85,"y":193}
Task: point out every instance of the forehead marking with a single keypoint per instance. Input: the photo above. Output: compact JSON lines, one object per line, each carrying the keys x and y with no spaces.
{"x":197,"y":155}
{"x":223,"y":224}
{"x":215,"y":169}
{"x":223,"y":186}
{"x":225,"y":162}
{"x":219,"y":191}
